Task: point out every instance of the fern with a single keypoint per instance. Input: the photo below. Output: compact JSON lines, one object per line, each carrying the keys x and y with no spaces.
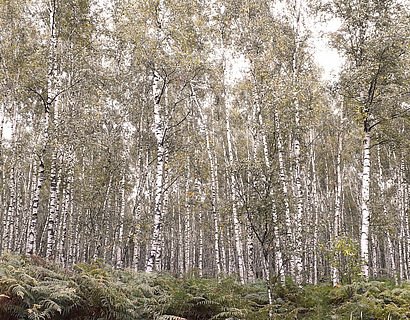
{"x":33,"y":289}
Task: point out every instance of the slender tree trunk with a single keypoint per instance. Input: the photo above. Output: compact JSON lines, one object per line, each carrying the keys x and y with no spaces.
{"x":141,"y":174}
{"x":159,"y":135}
{"x":283,"y":179}
{"x":180,"y":247}
{"x":9,"y":219}
{"x":51,"y":223}
{"x":266,"y":272}
{"x":213,"y":175}
{"x":275,"y":221}
{"x":234,"y":197}
{"x":201,"y":198}
{"x":119,"y":250}
{"x":296,"y":144}
{"x":384,"y":201}
{"x":187,"y":230}
{"x":66,"y":217}
{"x":315,"y":210}
{"x":2,"y":175}
{"x":364,"y":242}
{"x":338,"y":199}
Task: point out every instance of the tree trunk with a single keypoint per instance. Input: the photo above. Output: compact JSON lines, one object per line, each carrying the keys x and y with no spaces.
{"x":364,"y":240}
{"x":283,"y":179}
{"x":234,"y":196}
{"x":275,"y":221}
{"x":51,"y":223}
{"x":159,"y":135}
{"x":338,"y":199}
{"x":213,"y":175}
{"x":119,"y":263}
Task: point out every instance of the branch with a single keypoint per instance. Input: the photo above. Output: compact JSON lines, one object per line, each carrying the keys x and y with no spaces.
{"x":40,"y":95}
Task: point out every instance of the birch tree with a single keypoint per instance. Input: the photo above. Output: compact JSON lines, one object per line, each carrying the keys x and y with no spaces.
{"x":374,"y":56}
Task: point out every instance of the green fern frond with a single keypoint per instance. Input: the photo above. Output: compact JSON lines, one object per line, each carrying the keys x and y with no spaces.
{"x":169,"y":317}
{"x":232,"y":313}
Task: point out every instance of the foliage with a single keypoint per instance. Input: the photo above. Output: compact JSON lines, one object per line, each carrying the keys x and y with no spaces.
{"x":31,"y":288}
{"x":345,"y":256}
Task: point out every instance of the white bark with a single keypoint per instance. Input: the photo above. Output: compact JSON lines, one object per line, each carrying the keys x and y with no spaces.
{"x":275,"y":221}
{"x":267,"y":279}
{"x":338,"y":199}
{"x":9,"y":218}
{"x":119,"y":258}
{"x":392,"y":259}
{"x":403,"y":224}
{"x":2,"y":176}
{"x":32,"y":232}
{"x":283,"y":179}
{"x":213,"y":175}
{"x":187,"y":230}
{"x":51,"y":228}
{"x":296,"y":144}
{"x":234,"y":196}
{"x":180,"y":247}
{"x":201,"y":198}
{"x":315,"y":210}
{"x":67,"y":202}
{"x":382,"y":186}
{"x":299,"y":193}
{"x":137,"y":209}
{"x":159,"y":135}
{"x":364,"y":240}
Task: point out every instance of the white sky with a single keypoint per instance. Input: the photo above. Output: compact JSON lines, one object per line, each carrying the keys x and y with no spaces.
{"x":326,"y":57}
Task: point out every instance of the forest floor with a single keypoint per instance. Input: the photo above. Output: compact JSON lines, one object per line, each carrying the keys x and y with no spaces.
{"x":32,"y":288}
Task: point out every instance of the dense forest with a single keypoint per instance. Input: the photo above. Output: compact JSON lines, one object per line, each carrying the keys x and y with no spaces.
{"x":199,"y":139}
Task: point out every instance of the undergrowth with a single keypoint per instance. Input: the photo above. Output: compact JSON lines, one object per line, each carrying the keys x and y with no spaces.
{"x":32,"y":288}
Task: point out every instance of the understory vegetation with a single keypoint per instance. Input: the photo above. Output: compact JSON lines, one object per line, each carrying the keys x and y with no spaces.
{"x":32,"y":288}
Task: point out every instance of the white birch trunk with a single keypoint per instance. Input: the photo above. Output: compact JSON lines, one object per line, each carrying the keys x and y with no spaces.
{"x":21,"y":217}
{"x":52,"y":80}
{"x":364,"y":240}
{"x":249,"y":232}
{"x":201,"y":201}
{"x":374,"y":245}
{"x":180,"y":247}
{"x":52,"y":213}
{"x":187,"y":230}
{"x":213,"y":175}
{"x":315,"y":211}
{"x":299,"y":194}
{"x":296,"y":144}
{"x":137,"y":211}
{"x":67,"y":202}
{"x":275,"y":221}
{"x":403,"y":261}
{"x":164,"y":211}
{"x":382,"y":186}
{"x":8,"y":219}
{"x":392,"y":259}
{"x":103,"y":235}
{"x":267,"y":279}
{"x":283,"y":179}
{"x":338,"y":199}
{"x":159,"y":135}
{"x":234,"y":197}
{"x":119,"y":257}
{"x":2,"y":175}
